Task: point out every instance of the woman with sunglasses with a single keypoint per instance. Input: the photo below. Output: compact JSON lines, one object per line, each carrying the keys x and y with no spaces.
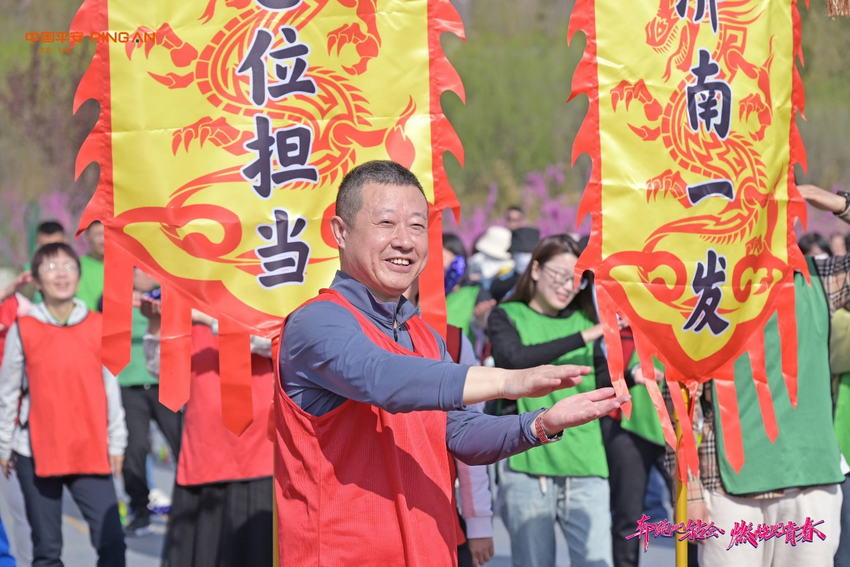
{"x":547,"y":319}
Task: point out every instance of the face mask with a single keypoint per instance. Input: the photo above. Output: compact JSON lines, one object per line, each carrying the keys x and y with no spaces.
{"x":454,"y":274}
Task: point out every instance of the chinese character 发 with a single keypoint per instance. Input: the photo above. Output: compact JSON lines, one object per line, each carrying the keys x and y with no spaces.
{"x":291,"y":76}
{"x":808,"y":530}
{"x":742,"y":533}
{"x":278,"y":5}
{"x":292,"y":147}
{"x":709,"y":101}
{"x":705,"y":284}
{"x":284,"y":261}
{"x":699,"y":12}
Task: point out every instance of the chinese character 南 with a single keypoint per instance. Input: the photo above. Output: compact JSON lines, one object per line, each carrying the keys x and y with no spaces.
{"x":291,"y":77}
{"x":709,"y":99}
{"x":699,"y":11}
{"x":284,"y":260}
{"x":706,"y":285}
{"x":292,"y":148}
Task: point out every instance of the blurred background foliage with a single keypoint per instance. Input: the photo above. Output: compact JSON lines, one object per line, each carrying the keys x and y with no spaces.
{"x":516,"y":68}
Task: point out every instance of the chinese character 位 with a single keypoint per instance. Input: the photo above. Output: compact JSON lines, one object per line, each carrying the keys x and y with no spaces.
{"x":742,"y":533}
{"x":706,"y":282}
{"x":284,"y":261}
{"x":709,"y":101}
{"x":699,"y":12}
{"x":291,"y":77}
{"x":292,"y":147}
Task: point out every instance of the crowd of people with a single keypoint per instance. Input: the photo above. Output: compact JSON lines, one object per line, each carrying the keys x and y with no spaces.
{"x":395,"y":445}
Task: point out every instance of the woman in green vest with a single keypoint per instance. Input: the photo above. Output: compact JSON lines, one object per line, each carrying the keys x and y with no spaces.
{"x":548,"y":320}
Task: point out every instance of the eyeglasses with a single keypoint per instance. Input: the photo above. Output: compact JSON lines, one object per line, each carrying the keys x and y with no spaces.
{"x":564,"y":278}
{"x":51,"y":267}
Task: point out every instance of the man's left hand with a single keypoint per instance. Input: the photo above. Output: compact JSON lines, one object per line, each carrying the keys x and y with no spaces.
{"x":580,"y":409}
{"x":482,"y":550}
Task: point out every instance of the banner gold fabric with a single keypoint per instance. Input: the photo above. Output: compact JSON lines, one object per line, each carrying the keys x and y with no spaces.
{"x":225,"y":130}
{"x":692,"y":132}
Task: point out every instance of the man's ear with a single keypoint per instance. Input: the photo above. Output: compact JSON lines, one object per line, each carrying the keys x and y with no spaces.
{"x":340,"y":231}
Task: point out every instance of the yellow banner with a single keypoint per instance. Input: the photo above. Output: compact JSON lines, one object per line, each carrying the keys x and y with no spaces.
{"x":692,"y":131}
{"x":225,"y":130}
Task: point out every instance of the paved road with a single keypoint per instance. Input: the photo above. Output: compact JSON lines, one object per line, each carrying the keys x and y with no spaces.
{"x":145,"y":552}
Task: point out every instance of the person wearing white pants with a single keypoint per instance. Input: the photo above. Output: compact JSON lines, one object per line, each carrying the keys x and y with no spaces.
{"x":820,"y":503}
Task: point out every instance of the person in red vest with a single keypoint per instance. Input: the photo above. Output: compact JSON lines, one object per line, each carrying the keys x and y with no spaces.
{"x":61,"y":419}
{"x":221,"y":507}
{"x":367,"y":398}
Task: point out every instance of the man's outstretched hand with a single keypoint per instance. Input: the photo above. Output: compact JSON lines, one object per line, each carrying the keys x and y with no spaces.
{"x":542,"y":380}
{"x":483,"y":383}
{"x":580,"y":409}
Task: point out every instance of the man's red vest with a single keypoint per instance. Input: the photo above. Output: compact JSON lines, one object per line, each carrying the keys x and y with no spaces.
{"x":362,"y":486}
{"x":68,"y":413}
{"x":209,"y":451}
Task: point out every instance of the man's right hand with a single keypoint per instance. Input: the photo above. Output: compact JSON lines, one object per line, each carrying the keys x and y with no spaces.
{"x":483,"y":383}
{"x":542,"y":380}
{"x":6,"y":466}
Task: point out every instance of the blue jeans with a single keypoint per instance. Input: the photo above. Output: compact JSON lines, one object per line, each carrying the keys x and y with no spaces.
{"x":531,"y":506}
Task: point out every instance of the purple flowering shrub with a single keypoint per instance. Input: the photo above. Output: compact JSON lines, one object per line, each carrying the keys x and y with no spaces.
{"x":549,"y":205}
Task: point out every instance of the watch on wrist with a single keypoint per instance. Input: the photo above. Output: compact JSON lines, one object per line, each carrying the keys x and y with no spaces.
{"x":846,"y":208}
{"x":540,"y":431}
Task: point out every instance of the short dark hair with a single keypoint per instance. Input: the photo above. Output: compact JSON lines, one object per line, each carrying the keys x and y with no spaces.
{"x":349,"y":199}
{"x":50,"y":227}
{"x":51,"y":251}
{"x":812,"y":239}
{"x":545,"y":250}
{"x":454,"y":244}
{"x":516,"y":208}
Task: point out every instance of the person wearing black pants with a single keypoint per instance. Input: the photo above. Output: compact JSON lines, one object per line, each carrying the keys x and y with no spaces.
{"x":141,"y":405}
{"x":95,"y":496}
{"x":630,"y":458}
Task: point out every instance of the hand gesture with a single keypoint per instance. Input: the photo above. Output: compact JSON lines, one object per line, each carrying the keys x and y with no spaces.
{"x":481,"y":549}
{"x":580,"y":409}
{"x":116,"y":462}
{"x":17,"y":285}
{"x":639,"y":378}
{"x":822,"y":199}
{"x":542,"y":380}
{"x":481,"y":312}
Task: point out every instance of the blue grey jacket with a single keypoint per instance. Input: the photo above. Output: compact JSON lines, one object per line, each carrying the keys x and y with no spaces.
{"x":325,"y":359}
